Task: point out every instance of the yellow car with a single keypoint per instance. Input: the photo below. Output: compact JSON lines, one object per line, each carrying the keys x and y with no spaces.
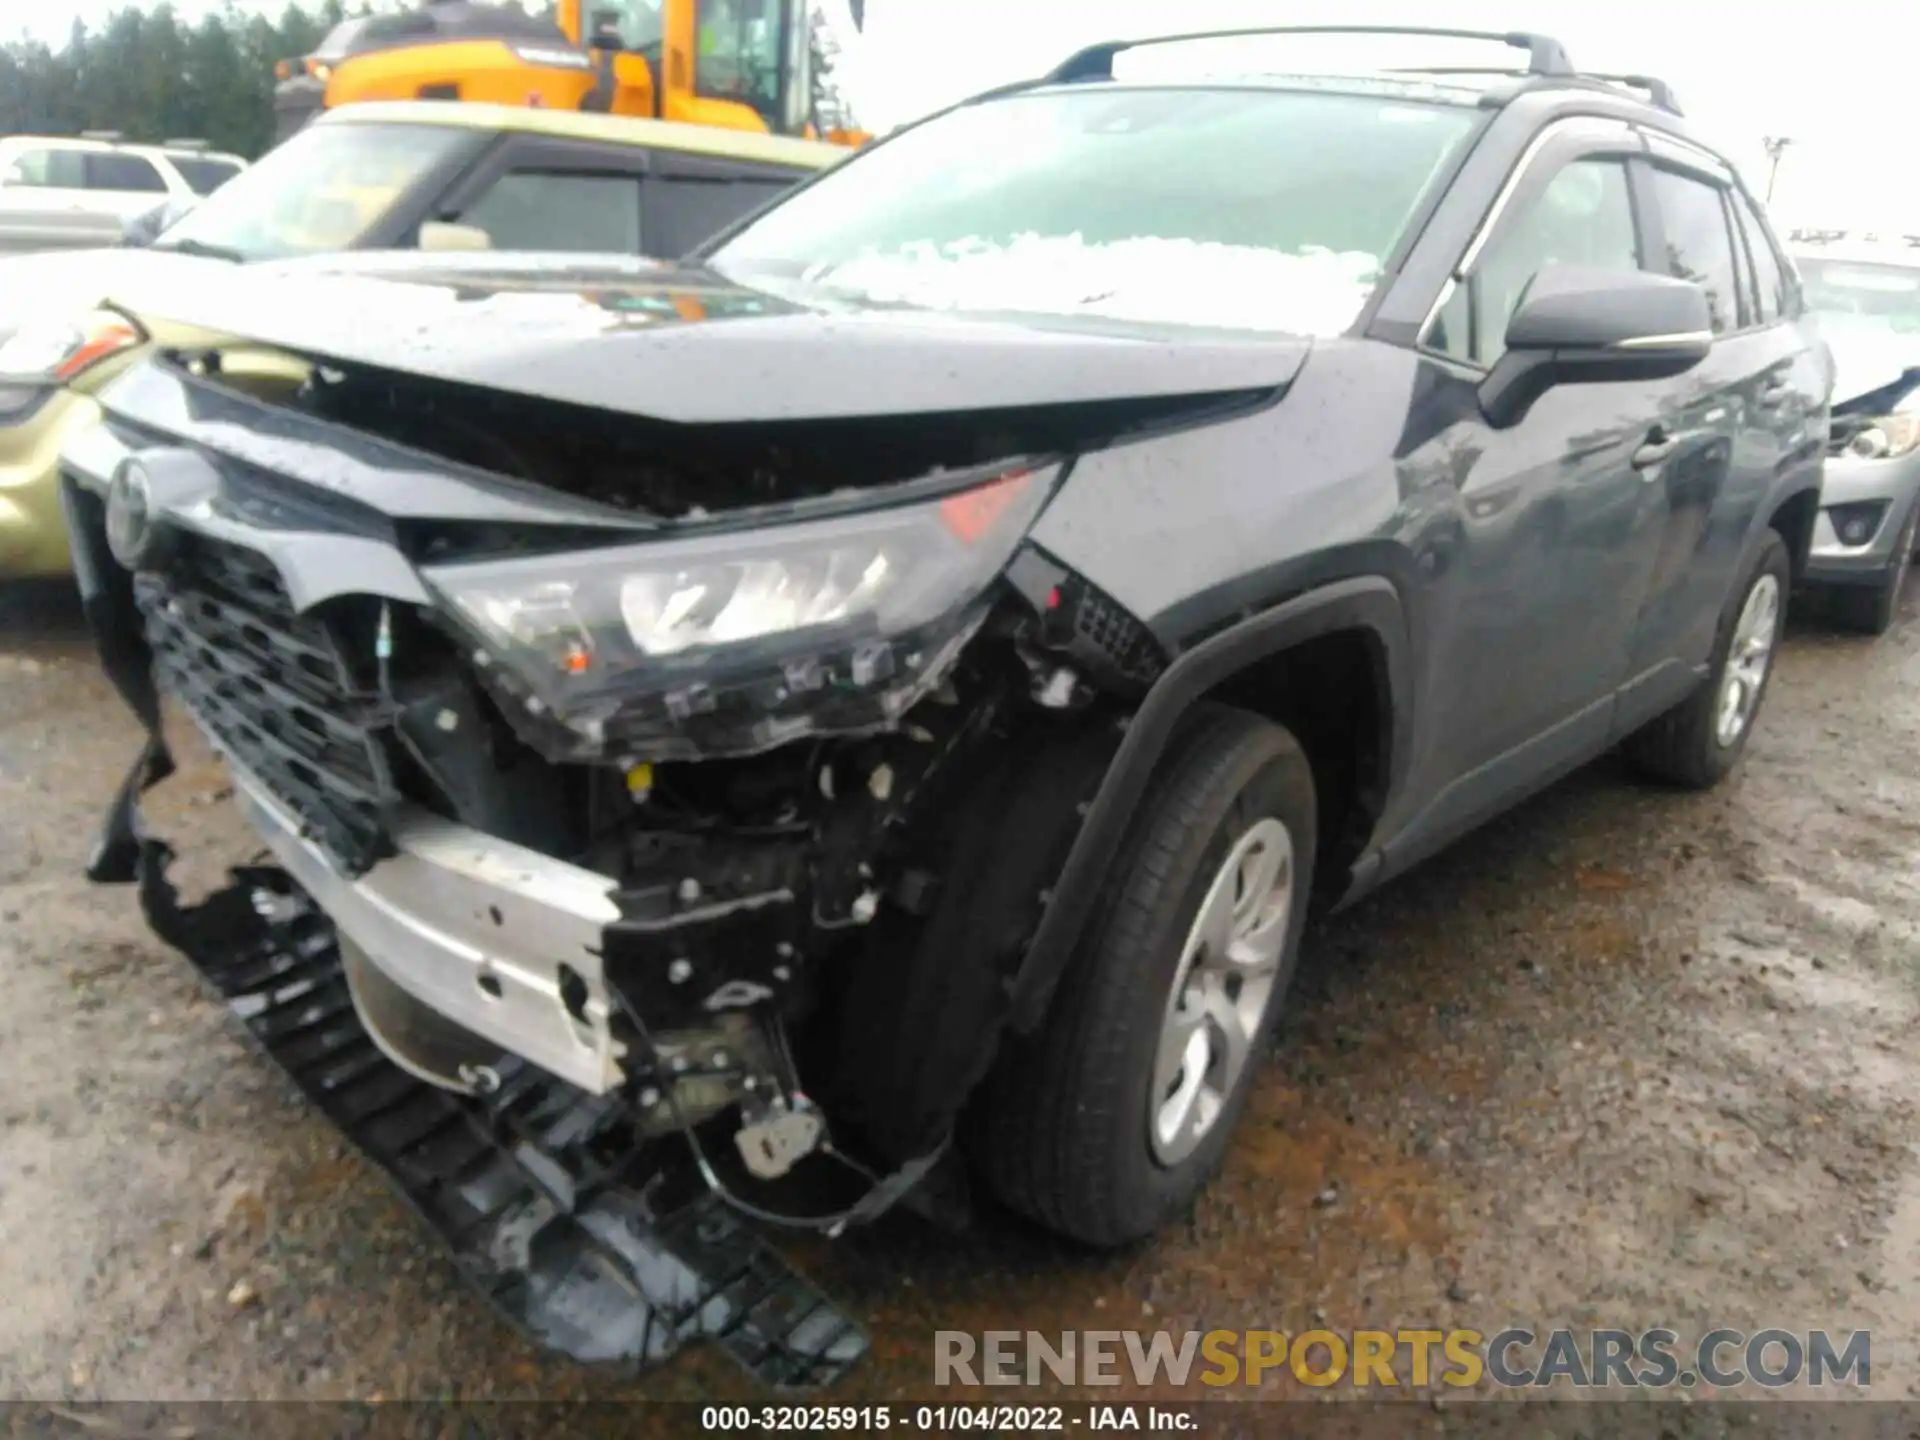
{"x":376,"y":176}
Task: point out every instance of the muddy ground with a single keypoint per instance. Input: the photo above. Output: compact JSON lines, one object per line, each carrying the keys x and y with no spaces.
{"x":1626,"y":1057}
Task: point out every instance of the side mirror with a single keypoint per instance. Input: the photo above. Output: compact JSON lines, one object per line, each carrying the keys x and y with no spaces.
{"x":148,"y":226}
{"x":13,"y":175}
{"x":438,"y":235}
{"x":1579,"y":324}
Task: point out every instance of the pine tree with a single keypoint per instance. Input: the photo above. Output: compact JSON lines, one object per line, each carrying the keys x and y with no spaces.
{"x":830,"y":108}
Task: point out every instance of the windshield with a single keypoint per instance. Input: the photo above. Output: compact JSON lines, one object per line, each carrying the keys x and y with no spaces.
{"x":639,"y":23}
{"x":1249,"y":209}
{"x":324,"y":189}
{"x":1863,"y":296}
{"x":339,"y":40}
{"x":739,"y":44}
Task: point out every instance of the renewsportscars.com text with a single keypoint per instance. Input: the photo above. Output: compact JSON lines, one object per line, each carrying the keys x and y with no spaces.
{"x":1511,"y":1358}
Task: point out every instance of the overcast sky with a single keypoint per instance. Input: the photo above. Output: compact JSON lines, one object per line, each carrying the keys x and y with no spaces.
{"x":1837,"y":76}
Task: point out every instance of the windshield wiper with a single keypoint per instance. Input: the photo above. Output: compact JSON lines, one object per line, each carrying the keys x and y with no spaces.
{"x":202,"y":248}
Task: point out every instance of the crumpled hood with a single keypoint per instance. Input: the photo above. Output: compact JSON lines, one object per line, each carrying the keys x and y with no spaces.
{"x":688,"y":345}
{"x":1867,"y":358}
{"x":58,"y":284}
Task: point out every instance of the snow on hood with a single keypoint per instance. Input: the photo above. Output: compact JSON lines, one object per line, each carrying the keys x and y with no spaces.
{"x":1183,"y":282}
{"x":64,"y":284}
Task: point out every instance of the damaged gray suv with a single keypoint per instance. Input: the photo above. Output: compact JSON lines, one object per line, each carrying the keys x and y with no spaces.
{"x":867,"y":712}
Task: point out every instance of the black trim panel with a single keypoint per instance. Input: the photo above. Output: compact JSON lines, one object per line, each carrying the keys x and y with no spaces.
{"x":1366,"y":603}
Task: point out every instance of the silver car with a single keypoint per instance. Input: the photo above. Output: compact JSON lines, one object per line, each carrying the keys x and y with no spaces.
{"x":1867,"y":302}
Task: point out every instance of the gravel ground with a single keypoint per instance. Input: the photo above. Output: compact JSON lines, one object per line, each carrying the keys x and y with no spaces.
{"x":1625,"y":1057}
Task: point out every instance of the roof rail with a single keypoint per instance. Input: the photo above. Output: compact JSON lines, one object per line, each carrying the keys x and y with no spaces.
{"x":1545,"y":55}
{"x":184,"y":143}
{"x":1659,"y":93}
{"x":110,"y":136}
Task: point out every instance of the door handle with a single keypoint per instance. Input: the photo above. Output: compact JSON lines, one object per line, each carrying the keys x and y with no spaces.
{"x":1649,"y":455}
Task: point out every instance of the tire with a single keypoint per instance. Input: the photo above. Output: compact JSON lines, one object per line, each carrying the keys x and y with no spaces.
{"x":1060,"y":1132}
{"x":1686,"y":746}
{"x":1870,"y":609}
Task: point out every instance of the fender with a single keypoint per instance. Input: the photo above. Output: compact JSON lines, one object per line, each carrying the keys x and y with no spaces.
{"x":1364,"y":603}
{"x":1788,"y":488}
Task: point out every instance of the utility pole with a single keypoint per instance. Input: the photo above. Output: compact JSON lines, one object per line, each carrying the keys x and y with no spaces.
{"x":1776,"y":146}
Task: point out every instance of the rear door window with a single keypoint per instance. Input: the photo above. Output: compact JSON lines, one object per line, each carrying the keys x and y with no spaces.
{"x":560,"y":210}
{"x":47,"y":169}
{"x":110,"y":170}
{"x":685,"y":210}
{"x":202,"y":175}
{"x":1699,"y":245}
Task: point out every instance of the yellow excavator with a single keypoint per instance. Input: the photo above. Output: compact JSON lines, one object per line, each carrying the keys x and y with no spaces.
{"x":736,"y":64}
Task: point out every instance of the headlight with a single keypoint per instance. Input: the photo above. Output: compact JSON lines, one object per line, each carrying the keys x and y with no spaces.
{"x":1888,"y":437}
{"x":734,"y":642}
{"x":54,"y":352}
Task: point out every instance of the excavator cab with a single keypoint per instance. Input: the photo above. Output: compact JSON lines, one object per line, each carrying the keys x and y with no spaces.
{"x":736,"y":64}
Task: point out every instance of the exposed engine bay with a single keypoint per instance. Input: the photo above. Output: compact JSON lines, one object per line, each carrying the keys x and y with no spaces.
{"x":1860,"y":420}
{"x":779,"y":845}
{"x":722,"y":795}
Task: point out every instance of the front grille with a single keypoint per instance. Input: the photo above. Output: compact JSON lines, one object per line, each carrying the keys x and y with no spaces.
{"x":270,"y":688}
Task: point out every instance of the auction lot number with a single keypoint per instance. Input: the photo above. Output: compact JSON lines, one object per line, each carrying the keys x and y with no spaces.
{"x":937,"y":1419}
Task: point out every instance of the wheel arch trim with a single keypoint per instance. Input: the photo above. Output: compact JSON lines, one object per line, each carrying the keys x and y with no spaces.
{"x":1368,"y":603}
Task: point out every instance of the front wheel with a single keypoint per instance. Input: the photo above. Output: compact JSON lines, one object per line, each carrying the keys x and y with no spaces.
{"x":1113,"y":1116}
{"x":1698,"y":741}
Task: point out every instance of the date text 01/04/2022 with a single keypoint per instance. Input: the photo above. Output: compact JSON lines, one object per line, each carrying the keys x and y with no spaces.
{"x":942,"y":1419}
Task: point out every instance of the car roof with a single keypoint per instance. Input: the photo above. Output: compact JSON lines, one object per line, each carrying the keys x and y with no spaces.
{"x":59,"y":142}
{"x":1542,"y":97}
{"x":124,"y":147}
{"x":581,"y":125}
{"x":1545,"y":86}
{"x":175,"y":152}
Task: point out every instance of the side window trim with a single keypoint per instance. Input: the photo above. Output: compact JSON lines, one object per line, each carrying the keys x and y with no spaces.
{"x":1648,"y":223}
{"x":1787,"y":290}
{"x":1752,"y":313}
{"x":1561,"y":143}
{"x":1677,"y":154}
{"x":1702,"y":169}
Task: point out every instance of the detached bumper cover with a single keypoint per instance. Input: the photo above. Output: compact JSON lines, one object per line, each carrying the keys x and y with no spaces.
{"x":530,"y":1186}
